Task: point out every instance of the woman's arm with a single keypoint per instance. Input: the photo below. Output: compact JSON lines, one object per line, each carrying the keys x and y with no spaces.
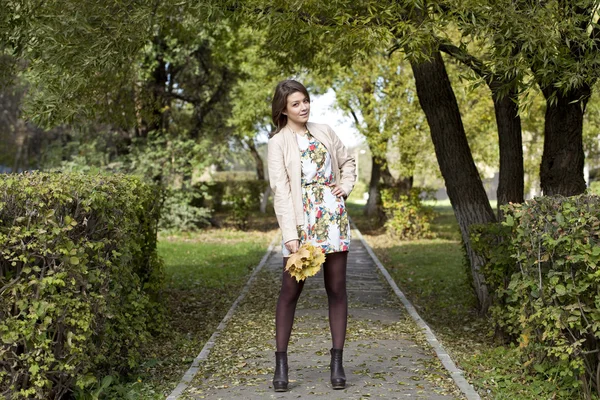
{"x":282,"y":193}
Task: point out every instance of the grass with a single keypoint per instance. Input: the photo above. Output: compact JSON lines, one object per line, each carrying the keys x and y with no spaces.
{"x":433,"y":275}
{"x":210,"y":259}
{"x":204,"y":274}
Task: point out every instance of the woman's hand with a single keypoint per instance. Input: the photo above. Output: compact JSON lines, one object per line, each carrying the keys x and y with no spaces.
{"x":292,"y":246}
{"x":338,"y":192}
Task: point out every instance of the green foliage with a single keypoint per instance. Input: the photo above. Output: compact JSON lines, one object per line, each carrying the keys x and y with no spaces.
{"x":477,"y":111}
{"x":407,"y":217}
{"x":591,"y":130}
{"x":543,"y":271}
{"x":259,"y":76}
{"x":379,"y":94}
{"x":83,"y":56}
{"x":553,"y":42}
{"x":243,"y":197}
{"x":180,"y":214}
{"x":79,"y":276}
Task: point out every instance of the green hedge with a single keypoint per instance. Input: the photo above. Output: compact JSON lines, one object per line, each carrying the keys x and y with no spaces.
{"x":544,"y":274}
{"x":407,"y":218}
{"x":220,"y":195}
{"x":79,"y":275}
{"x":237,"y":197}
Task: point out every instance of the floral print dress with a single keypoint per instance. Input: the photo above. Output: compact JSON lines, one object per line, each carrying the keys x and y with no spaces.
{"x":326,"y":222}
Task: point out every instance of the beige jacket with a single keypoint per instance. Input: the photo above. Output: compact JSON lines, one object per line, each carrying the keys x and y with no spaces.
{"x":285,"y":170}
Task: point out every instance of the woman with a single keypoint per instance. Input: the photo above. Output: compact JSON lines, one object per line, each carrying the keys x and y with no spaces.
{"x":311,"y":173}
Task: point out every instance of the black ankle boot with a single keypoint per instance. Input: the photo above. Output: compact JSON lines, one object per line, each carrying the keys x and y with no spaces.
{"x":280,"y":379}
{"x":338,"y":377}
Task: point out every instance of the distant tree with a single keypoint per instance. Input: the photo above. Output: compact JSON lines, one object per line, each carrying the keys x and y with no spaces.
{"x":251,"y":98}
{"x":378,"y":93}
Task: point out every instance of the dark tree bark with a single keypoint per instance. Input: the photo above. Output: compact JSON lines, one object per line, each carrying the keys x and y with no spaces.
{"x":510,"y":140}
{"x":561,"y":171}
{"x":152,"y":118}
{"x":260,"y":166}
{"x":405,"y":184}
{"x":402,"y":186}
{"x":463,"y":183}
{"x":219,"y":93}
{"x":374,"y":206}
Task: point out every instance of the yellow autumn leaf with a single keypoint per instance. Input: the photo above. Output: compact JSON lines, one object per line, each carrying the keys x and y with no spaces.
{"x":305,"y":262}
{"x":304,"y":254}
{"x":524,"y":340}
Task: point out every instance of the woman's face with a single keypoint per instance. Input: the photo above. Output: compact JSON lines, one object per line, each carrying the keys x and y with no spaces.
{"x":298,"y":108}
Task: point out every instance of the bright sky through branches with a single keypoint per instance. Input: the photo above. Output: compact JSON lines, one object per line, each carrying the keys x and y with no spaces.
{"x":322,"y":111}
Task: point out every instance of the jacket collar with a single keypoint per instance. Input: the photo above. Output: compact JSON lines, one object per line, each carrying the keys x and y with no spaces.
{"x":312,"y":128}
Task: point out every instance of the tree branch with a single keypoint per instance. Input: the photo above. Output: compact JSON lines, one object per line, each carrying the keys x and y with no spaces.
{"x":467,"y":59}
{"x":353,"y":115}
{"x":218,"y":93}
{"x":187,"y":99}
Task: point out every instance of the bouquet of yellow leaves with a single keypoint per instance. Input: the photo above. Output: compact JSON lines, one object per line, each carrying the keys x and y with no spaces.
{"x":305,"y":262}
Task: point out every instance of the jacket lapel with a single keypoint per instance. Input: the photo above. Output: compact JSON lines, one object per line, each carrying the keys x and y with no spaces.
{"x":292,"y":145}
{"x":319,"y":135}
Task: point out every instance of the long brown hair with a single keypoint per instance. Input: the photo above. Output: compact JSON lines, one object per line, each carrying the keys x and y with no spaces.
{"x":279,"y":103}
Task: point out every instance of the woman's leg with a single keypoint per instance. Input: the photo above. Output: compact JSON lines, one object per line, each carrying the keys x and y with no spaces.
{"x":286,"y":308}
{"x":334,"y":274}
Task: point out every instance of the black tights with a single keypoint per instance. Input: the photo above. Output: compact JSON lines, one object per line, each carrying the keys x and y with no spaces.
{"x":334,"y":275}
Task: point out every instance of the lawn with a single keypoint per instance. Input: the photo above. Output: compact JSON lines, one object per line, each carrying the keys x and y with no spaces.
{"x":434,"y":276}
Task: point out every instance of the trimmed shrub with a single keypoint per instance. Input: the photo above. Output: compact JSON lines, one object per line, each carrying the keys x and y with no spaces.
{"x":243,"y":197}
{"x":544,"y":272}
{"x":407,"y":217}
{"x":79,"y":276}
{"x":236,"y":197}
{"x":179,"y":214}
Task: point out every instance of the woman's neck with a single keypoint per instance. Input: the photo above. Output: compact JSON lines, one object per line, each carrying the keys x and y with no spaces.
{"x":296,"y":128}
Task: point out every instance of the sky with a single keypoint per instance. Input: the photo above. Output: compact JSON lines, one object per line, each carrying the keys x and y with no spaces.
{"x":322,"y":111}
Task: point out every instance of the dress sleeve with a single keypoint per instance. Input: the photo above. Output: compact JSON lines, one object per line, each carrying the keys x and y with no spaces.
{"x":282,"y":193}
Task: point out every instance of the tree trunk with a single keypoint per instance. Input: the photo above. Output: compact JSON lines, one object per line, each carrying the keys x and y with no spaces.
{"x":561,"y":171}
{"x":463,"y":183}
{"x":20,"y":132}
{"x":265,"y":199}
{"x":511,"y":186}
{"x":386,"y":176}
{"x":508,"y":122}
{"x":402,"y":186}
{"x":152,"y":116}
{"x":374,"y":206}
{"x":260,"y":166}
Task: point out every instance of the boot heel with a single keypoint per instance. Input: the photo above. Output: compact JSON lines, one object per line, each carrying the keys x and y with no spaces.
{"x":338,"y":377}
{"x":280,"y":379}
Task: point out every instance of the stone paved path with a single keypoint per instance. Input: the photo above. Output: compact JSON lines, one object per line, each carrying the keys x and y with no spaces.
{"x":385,"y":356}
